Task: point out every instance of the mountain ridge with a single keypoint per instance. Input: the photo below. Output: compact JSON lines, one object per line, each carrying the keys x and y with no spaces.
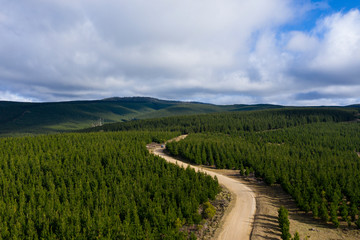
{"x":50,"y":117}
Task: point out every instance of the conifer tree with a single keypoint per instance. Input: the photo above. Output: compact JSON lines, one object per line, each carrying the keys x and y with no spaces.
{"x":284,"y":223}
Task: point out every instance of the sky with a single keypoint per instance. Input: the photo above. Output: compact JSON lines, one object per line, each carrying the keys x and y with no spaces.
{"x":288,"y":52}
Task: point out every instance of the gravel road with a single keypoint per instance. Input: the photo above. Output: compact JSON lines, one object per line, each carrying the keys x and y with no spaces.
{"x":238,"y":220}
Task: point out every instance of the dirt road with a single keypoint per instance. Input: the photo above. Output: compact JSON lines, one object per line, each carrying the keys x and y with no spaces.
{"x":237,"y":222}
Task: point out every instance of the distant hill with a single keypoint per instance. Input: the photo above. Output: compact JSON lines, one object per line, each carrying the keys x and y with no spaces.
{"x":357,"y":106}
{"x":29,"y":118}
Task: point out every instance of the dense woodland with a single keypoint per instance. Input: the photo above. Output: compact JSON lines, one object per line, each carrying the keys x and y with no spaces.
{"x":106,"y":185}
{"x":311,"y":152}
{"x":96,"y":186}
{"x":232,"y":122}
{"x":44,"y":118}
{"x":316,"y":163}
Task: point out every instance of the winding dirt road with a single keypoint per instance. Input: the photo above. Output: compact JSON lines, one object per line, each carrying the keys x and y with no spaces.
{"x":237,"y":221}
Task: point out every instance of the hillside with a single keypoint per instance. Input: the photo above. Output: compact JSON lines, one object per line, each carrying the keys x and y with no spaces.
{"x":18,"y":118}
{"x":22,"y":118}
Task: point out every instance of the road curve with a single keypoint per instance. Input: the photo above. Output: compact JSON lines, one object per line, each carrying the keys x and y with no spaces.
{"x":237,"y":223}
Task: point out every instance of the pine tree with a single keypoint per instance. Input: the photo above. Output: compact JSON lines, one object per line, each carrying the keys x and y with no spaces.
{"x":284,"y":223}
{"x":323,"y":212}
{"x":333,"y":214}
{"x":353,"y":211}
{"x":344,"y":211}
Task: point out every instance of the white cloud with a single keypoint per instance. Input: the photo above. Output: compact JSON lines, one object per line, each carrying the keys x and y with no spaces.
{"x":139,"y":42}
{"x":340,"y":43}
{"x":9,"y":96}
{"x":326,"y":57}
{"x":227,"y":50}
{"x":302,"y":42}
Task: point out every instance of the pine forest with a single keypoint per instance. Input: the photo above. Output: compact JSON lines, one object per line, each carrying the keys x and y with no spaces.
{"x":96,"y":186}
{"x":318,"y":164}
{"x":102,"y":183}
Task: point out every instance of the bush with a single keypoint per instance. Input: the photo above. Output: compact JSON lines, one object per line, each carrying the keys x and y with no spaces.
{"x":209,"y":210}
{"x":296,"y":236}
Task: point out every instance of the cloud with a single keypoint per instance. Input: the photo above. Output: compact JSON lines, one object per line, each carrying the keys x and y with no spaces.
{"x":8,"y":96}
{"x":329,"y":58}
{"x":213,"y":51}
{"x":340,"y":45}
{"x":300,"y":42}
{"x":321,"y":65}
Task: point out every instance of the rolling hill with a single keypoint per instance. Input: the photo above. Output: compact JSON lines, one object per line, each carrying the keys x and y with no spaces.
{"x":31,"y":118}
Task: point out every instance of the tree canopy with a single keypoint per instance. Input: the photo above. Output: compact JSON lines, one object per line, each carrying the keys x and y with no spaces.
{"x":97,"y":185}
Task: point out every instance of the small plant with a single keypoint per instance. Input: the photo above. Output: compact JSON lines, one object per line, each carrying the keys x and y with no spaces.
{"x":209,"y":210}
{"x":296,"y":236}
{"x":193,"y":236}
{"x":178,"y":223}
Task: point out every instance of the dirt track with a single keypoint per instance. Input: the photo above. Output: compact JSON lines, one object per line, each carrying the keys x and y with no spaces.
{"x":238,"y":220}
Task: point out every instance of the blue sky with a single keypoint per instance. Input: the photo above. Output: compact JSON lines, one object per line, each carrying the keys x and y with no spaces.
{"x":337,"y":5}
{"x":323,"y":9}
{"x":290,"y":52}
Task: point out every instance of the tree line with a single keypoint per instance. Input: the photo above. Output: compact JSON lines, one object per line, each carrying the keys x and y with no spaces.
{"x":231,"y":122}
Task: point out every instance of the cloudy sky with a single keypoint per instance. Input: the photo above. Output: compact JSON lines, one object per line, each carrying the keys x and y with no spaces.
{"x":290,"y":52}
